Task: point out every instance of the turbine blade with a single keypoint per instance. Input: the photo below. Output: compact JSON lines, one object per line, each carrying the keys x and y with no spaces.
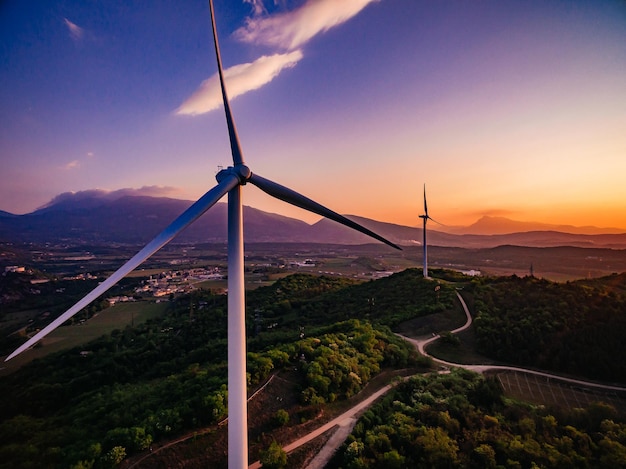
{"x":425,"y":207}
{"x":293,"y":198}
{"x":185,"y":219}
{"x":235,"y":146}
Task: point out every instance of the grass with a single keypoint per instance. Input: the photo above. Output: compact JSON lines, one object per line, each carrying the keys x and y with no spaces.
{"x":115,"y":317}
{"x":18,"y":318}
{"x":554,"y":393}
{"x":464,"y":352}
{"x":433,"y":323}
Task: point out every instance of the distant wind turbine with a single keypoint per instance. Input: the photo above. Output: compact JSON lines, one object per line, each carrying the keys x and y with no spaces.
{"x":425,"y":217}
{"x":229,"y":181}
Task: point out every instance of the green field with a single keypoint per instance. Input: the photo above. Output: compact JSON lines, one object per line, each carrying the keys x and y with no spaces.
{"x":18,"y":319}
{"x":106,"y":321}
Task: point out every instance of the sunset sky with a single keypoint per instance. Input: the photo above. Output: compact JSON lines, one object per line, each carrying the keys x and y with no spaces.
{"x":507,"y":108}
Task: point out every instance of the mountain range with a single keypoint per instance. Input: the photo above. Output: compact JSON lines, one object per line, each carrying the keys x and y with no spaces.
{"x":501,"y":225}
{"x":94,"y":217}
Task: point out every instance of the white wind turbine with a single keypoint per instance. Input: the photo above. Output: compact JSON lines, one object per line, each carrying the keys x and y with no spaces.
{"x":425,"y":217}
{"x":229,"y":181}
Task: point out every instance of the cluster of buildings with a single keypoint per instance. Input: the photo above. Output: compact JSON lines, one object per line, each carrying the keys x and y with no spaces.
{"x":163,"y":284}
{"x":180,"y":281}
{"x":85,"y":276}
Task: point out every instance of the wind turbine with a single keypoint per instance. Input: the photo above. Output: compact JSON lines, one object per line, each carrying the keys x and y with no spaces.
{"x":425,"y":217}
{"x":229,"y":181}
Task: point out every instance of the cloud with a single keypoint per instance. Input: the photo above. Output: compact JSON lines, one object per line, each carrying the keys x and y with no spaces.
{"x":78,"y":163}
{"x":101,"y":194}
{"x":239,"y":80}
{"x":149,"y":191}
{"x":287,"y":31}
{"x":257,"y":7}
{"x":292,"y":29}
{"x":76,"y":32}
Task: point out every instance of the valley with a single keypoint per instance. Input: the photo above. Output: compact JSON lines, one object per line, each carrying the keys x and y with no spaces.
{"x":153,"y":378}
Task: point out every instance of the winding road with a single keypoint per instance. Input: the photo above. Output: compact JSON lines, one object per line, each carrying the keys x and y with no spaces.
{"x":421,"y":345}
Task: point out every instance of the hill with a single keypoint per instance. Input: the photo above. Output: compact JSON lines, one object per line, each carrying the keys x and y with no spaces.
{"x":575,"y":328}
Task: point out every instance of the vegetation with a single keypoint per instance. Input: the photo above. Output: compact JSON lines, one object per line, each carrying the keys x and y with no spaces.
{"x":274,"y":457}
{"x":92,"y":406}
{"x":461,"y":420}
{"x":95,"y":405}
{"x":574,"y":327}
{"x":306,"y":299}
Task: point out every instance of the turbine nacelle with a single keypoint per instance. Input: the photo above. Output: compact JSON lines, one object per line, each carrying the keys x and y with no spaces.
{"x":240,"y":171}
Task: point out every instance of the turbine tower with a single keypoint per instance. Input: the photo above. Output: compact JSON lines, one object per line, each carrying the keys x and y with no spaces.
{"x":425,"y":217}
{"x":229,"y":181}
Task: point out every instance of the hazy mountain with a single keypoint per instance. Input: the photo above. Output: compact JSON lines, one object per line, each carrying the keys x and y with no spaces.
{"x":500,"y":225}
{"x":404,"y":235}
{"x":99,"y":217}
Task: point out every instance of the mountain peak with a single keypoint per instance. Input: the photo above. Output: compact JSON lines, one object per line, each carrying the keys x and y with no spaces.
{"x":494,"y":225}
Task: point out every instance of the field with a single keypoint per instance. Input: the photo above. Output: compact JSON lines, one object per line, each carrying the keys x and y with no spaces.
{"x":554,"y":393}
{"x":115,"y":317}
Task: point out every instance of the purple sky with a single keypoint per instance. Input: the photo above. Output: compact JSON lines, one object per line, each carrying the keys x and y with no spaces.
{"x":513,"y":108}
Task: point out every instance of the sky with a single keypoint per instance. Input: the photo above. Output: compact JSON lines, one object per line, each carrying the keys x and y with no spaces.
{"x":502,"y":108}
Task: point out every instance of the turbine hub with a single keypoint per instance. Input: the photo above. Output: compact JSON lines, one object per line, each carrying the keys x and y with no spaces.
{"x":242,"y":172}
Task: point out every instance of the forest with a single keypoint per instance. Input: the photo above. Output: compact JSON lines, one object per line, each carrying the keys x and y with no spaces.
{"x":96,"y":405}
{"x":577,"y":327}
{"x":462,"y":420}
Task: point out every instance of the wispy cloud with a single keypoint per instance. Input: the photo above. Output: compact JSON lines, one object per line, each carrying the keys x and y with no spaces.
{"x":257,"y":7}
{"x":78,"y":162}
{"x":76,"y":32}
{"x":495,"y":212}
{"x":241,"y":79}
{"x":286,"y":31}
{"x":292,"y":29}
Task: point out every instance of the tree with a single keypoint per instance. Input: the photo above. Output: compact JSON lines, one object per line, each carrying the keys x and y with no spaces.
{"x":393,"y":460}
{"x":281,"y":418}
{"x":274,"y":457}
{"x":439,"y":449}
{"x":484,"y":457}
{"x":448,"y":337}
{"x":113,"y":457}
